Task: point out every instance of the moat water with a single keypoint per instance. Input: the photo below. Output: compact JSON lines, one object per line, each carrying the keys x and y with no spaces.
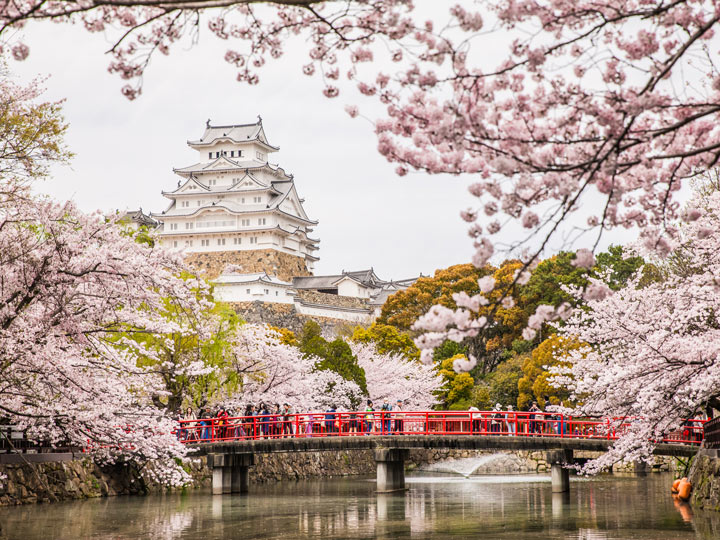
{"x":435,"y":506}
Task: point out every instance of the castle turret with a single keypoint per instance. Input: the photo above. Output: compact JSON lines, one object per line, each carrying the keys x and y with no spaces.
{"x":234,"y":207}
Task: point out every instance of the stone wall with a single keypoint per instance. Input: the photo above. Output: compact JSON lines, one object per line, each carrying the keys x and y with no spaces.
{"x":285,"y":316}
{"x":705,"y":478}
{"x":326,"y":299}
{"x":80,"y":479}
{"x":84,"y":479}
{"x":284,"y":266}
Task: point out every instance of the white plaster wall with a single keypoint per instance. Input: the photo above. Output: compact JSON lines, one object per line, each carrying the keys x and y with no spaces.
{"x":353,"y":316}
{"x":237,"y":292}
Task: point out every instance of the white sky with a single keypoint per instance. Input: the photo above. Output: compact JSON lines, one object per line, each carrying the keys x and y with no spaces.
{"x":125,"y":151}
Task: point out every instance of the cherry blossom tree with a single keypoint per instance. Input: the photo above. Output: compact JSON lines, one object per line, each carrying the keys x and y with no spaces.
{"x":73,"y":289}
{"x":392,"y":376}
{"x":593,"y":116}
{"x":587,"y":101}
{"x":275,"y":372}
{"x":653,"y":349}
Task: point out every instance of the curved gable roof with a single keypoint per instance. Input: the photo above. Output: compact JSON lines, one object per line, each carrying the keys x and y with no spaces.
{"x":237,"y":133}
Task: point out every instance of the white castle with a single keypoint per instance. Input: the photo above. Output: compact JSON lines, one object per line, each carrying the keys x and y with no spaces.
{"x":232,"y":199}
{"x":241,"y":222}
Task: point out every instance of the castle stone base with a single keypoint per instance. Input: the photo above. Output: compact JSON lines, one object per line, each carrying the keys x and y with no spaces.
{"x":284,"y":266}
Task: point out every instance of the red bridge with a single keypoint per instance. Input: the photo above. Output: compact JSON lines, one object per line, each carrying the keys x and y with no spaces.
{"x":232,"y":442}
{"x":456,"y":423}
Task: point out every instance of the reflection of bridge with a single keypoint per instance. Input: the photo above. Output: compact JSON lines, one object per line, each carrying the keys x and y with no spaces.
{"x":231,"y":443}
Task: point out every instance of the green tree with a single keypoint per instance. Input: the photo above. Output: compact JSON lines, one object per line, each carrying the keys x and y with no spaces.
{"x":333,"y":355}
{"x":503,"y":382}
{"x":387,"y":340}
{"x":619,"y":267}
{"x":196,"y":363}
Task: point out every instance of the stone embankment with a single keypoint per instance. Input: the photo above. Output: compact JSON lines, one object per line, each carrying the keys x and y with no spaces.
{"x":705,"y":478}
{"x":81,"y":478}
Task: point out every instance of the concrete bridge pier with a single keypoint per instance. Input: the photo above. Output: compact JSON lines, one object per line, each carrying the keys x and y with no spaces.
{"x":390,"y":469}
{"x":558,"y":460}
{"x":230,"y":472}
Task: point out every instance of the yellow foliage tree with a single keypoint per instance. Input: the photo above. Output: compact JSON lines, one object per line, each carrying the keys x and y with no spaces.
{"x":457,"y":390}
{"x":534,"y":385}
{"x":387,"y":340}
{"x":505,"y":321}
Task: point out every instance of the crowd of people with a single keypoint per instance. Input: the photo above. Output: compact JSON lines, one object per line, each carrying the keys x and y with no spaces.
{"x":275,"y":421}
{"x":266,"y":421}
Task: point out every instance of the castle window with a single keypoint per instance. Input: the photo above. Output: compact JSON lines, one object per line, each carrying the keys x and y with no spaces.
{"x":175,"y":243}
{"x":232,"y":153}
{"x":221,"y":241}
{"x":217,"y":154}
{"x":257,"y":199}
{"x":276,"y":293}
{"x":204,"y":242}
{"x":242,"y":201}
{"x":237,"y":241}
{"x":247,"y":291}
{"x":199,"y":202}
{"x":260,"y":156}
{"x":239,"y":153}
{"x":209,"y":155}
{"x":253,"y":239}
{"x":261,"y":221}
{"x":188,"y":225}
{"x":266,"y":291}
{"x":245,"y":222}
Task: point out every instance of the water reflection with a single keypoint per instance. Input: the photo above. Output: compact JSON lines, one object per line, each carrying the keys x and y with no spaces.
{"x":607,"y":508}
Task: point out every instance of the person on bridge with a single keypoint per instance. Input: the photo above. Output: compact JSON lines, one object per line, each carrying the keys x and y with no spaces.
{"x":330,"y":420}
{"x":220,"y":424}
{"x":496,"y":422}
{"x":247,"y":422}
{"x":189,"y":431}
{"x":475,"y":419}
{"x":264,"y":420}
{"x":204,"y":426}
{"x":385,"y":416}
{"x":534,"y":425}
{"x":511,"y":420}
{"x":287,"y":427}
{"x":398,"y":426}
{"x":369,"y":418}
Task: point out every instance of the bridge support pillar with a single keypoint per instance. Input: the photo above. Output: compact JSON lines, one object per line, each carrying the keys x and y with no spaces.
{"x":230,"y":472}
{"x":390,"y":469}
{"x":559,"y":460}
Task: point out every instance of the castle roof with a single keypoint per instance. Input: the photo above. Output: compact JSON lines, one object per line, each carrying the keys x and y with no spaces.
{"x":224,"y":163}
{"x":139,"y":217}
{"x":237,"y":133}
{"x":263,"y":277}
{"x":367,"y":278}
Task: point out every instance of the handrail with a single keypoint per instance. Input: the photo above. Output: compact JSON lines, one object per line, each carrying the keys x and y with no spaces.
{"x":372,"y":423}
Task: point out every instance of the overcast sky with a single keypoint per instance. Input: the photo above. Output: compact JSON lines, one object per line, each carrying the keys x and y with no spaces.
{"x":125,"y":151}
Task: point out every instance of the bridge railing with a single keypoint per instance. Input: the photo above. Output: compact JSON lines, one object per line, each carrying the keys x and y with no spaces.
{"x":362,"y":423}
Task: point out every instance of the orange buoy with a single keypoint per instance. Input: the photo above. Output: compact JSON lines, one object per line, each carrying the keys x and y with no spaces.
{"x":675,"y":485}
{"x":684,"y":490}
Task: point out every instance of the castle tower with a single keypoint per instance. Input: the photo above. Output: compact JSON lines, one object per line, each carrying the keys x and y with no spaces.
{"x":233,"y":207}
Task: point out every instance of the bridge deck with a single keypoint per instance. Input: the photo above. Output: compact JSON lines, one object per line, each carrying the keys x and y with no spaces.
{"x":465,"y":442}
